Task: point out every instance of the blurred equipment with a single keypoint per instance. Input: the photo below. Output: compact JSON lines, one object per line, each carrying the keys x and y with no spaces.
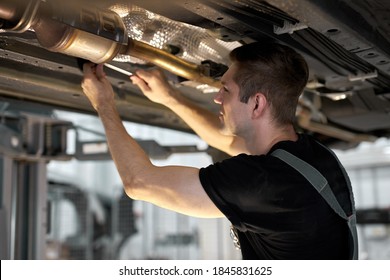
{"x":27,"y":142}
{"x":87,"y":226}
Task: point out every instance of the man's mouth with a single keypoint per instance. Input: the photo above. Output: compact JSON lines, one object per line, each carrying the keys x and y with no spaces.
{"x":221,"y":116}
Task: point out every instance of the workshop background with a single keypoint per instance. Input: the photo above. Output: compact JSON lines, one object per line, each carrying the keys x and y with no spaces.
{"x":91,"y":217}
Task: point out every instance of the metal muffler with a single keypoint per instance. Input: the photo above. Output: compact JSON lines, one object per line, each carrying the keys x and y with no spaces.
{"x":90,"y":33}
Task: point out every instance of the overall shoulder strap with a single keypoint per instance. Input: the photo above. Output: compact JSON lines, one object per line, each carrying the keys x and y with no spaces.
{"x":319,"y":182}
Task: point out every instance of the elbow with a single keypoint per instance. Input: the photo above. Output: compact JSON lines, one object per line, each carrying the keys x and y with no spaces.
{"x":133,"y":189}
{"x":130,"y":192}
{"x":137,"y":184}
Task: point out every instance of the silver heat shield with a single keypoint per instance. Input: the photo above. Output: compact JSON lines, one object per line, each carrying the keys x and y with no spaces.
{"x":190,"y":43}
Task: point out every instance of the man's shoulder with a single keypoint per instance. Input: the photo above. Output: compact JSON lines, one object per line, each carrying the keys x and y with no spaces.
{"x":303,"y":145}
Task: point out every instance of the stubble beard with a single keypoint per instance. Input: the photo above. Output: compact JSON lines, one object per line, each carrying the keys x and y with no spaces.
{"x":225,"y":129}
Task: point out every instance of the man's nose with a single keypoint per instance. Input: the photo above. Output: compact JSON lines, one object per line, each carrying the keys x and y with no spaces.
{"x":218,"y":97}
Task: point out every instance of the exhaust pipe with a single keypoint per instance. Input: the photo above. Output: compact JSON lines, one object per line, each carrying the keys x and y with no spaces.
{"x":92,"y":34}
{"x":169,"y":62}
{"x":305,"y":122}
{"x":18,"y":16}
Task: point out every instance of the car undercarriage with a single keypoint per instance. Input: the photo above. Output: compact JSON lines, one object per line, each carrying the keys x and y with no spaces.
{"x":346,"y":44}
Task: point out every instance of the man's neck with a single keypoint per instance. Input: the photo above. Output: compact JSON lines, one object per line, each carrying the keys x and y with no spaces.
{"x":261,"y":143}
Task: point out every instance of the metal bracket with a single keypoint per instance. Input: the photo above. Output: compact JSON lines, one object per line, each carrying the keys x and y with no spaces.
{"x":363,"y":76}
{"x":98,"y":150}
{"x":289,"y":28}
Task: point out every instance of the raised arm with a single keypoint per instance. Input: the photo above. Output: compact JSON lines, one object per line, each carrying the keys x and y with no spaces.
{"x":206,"y":124}
{"x":171,"y":187}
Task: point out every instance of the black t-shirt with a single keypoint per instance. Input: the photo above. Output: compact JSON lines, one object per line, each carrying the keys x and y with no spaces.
{"x":277,"y":213}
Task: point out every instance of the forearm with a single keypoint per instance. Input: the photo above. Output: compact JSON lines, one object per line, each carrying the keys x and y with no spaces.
{"x":172,"y":187}
{"x":175,"y":188}
{"x":129,"y":158}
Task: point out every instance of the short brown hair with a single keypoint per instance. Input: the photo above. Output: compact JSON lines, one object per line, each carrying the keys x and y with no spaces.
{"x":275,"y":70}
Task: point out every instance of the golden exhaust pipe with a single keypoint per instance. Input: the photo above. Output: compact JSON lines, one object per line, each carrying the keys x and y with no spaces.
{"x":169,"y":62}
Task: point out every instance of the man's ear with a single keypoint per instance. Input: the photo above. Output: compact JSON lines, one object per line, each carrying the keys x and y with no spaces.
{"x":259,"y":103}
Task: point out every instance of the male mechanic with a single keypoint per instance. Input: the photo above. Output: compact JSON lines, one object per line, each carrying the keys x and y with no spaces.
{"x":276,"y":206}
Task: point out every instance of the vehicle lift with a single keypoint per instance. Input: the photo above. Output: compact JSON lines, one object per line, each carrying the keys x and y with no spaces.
{"x":27,"y":143}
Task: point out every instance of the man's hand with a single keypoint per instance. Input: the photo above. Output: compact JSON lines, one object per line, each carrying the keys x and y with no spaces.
{"x":155,"y":86}
{"x":96,"y":86}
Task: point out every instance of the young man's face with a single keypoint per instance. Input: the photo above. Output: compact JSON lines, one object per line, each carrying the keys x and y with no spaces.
{"x":233,"y":113}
